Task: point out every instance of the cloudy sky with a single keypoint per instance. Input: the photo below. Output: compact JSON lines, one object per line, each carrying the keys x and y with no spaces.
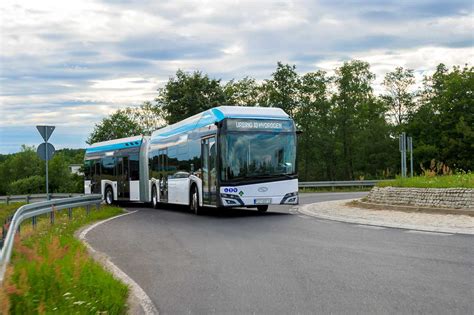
{"x":69,"y":63}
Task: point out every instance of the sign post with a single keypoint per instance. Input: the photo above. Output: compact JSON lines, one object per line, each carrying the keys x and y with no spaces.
{"x":410,"y":148}
{"x":403,"y":151}
{"x":46,"y":150}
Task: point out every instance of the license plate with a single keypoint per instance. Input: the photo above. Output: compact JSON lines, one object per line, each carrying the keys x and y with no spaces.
{"x":263,"y":201}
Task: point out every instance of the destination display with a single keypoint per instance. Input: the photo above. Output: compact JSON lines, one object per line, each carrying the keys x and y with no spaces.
{"x":259,"y":124}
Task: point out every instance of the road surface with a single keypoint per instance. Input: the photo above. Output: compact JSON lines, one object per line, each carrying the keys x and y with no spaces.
{"x":282,"y":262}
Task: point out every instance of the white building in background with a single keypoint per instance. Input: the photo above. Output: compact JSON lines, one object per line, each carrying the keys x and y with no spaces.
{"x":76,"y":169}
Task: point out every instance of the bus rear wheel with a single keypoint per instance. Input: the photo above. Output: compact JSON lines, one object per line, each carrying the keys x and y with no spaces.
{"x":262,"y":208}
{"x":109,"y":195}
{"x":154,"y":197}
{"x":194,"y":200}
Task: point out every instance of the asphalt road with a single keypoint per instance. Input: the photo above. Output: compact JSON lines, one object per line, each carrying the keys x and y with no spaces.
{"x":282,"y":262}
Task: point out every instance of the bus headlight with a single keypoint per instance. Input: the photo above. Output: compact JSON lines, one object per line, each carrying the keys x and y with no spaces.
{"x":290,"y":198}
{"x":231,"y":200}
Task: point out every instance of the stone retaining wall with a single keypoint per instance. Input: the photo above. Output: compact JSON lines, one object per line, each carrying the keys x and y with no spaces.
{"x":454,"y":198}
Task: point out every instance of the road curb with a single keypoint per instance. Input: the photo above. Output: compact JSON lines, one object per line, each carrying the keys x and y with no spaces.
{"x":305,"y":209}
{"x":139,"y":302}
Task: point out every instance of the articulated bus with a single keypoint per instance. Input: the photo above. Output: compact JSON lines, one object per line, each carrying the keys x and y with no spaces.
{"x":228,"y":156}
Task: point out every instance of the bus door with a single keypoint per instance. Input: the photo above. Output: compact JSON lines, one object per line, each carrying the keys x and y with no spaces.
{"x":163,"y":169}
{"x":209,"y":171}
{"x":123,"y":183}
{"x":95,"y":177}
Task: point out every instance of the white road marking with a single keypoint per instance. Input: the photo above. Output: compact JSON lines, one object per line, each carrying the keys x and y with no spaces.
{"x":373,"y":227}
{"x":144,"y":300}
{"x":428,"y":233}
{"x":304,"y":216}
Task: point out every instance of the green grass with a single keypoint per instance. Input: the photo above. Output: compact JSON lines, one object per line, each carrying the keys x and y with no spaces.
{"x":335,"y":189}
{"x":8,"y":210}
{"x":51,"y":271}
{"x":465,"y":180}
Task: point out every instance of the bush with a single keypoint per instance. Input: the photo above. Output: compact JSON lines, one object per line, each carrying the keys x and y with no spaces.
{"x":30,"y":185}
{"x":460,"y":180}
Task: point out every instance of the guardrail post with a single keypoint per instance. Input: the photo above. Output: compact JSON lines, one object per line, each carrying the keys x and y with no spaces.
{"x":33,"y":222}
{"x":69,"y":213}
{"x":51,"y":215}
{"x":7,"y":200}
{"x":88,"y":209}
{"x":27,"y":199}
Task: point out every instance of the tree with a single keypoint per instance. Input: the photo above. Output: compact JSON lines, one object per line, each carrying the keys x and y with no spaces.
{"x":187,"y":94}
{"x":353,"y":81}
{"x":399,"y":98}
{"x":117,"y":125}
{"x":313,"y":118}
{"x":282,"y":89}
{"x":244,"y":92}
{"x":442,"y":127}
{"x":147,"y":116}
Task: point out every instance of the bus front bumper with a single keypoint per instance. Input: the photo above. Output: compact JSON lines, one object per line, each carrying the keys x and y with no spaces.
{"x":233,"y":200}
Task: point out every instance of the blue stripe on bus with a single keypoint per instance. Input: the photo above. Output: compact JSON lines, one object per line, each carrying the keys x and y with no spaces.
{"x":209,"y":118}
{"x":115,"y":146}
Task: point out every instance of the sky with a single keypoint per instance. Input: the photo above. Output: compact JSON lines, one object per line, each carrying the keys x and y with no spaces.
{"x":71,"y":63}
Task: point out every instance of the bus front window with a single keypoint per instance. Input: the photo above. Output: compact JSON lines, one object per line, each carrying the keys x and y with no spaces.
{"x":257,"y":155}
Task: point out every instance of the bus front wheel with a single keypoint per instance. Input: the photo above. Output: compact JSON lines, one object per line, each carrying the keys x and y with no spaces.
{"x":262,"y":208}
{"x":109,"y":195}
{"x":194,"y":202}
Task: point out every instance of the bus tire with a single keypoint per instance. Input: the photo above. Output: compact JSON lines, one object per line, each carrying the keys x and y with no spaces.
{"x":194,"y":200}
{"x":262,"y":208}
{"x":154,"y":197}
{"x":109,"y":195}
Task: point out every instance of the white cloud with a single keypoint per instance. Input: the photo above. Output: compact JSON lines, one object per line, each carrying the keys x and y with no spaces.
{"x":72,"y":62}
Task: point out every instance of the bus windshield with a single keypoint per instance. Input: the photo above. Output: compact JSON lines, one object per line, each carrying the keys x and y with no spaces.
{"x":251,"y":155}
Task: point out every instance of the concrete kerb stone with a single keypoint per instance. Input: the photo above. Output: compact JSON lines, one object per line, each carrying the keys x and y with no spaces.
{"x":339,"y":211}
{"x":138,"y":301}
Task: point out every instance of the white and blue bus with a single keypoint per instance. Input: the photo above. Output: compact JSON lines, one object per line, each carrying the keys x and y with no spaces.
{"x":227,"y":156}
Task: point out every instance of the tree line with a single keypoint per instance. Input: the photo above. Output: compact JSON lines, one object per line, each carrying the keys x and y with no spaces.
{"x":348,"y":132}
{"x":24,"y":172}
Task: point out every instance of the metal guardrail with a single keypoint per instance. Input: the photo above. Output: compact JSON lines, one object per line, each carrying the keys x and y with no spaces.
{"x":35,"y":209}
{"x":34,"y":197}
{"x":343,"y":183}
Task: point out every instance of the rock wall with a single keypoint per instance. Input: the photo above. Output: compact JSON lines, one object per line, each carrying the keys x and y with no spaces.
{"x":454,"y":198}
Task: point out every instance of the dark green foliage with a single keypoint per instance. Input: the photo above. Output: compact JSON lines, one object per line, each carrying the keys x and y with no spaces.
{"x":443,"y":125}
{"x":348,"y":132}
{"x":117,"y":125}
{"x":29,"y":185}
{"x":188,"y":94}
{"x":24,"y":172}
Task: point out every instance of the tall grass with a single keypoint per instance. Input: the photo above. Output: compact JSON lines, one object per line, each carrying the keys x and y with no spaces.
{"x":460,"y":180}
{"x":51,"y":272}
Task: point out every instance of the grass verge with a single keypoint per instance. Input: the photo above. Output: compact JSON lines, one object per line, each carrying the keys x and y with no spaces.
{"x":51,"y":271}
{"x":8,"y":210}
{"x":334,"y":189}
{"x":464,"y":180}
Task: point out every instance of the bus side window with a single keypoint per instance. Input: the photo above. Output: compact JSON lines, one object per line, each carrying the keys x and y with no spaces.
{"x":134,"y":168}
{"x":97,"y":168}
{"x":87,"y":170}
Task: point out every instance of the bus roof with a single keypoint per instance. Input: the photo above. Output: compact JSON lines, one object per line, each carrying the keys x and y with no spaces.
{"x":217,"y":114}
{"x":115,"y":144}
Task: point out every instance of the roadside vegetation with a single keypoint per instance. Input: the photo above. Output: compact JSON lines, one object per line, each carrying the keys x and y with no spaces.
{"x":333,"y":189}
{"x":461,"y":180}
{"x":8,"y":210}
{"x":51,"y":271}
